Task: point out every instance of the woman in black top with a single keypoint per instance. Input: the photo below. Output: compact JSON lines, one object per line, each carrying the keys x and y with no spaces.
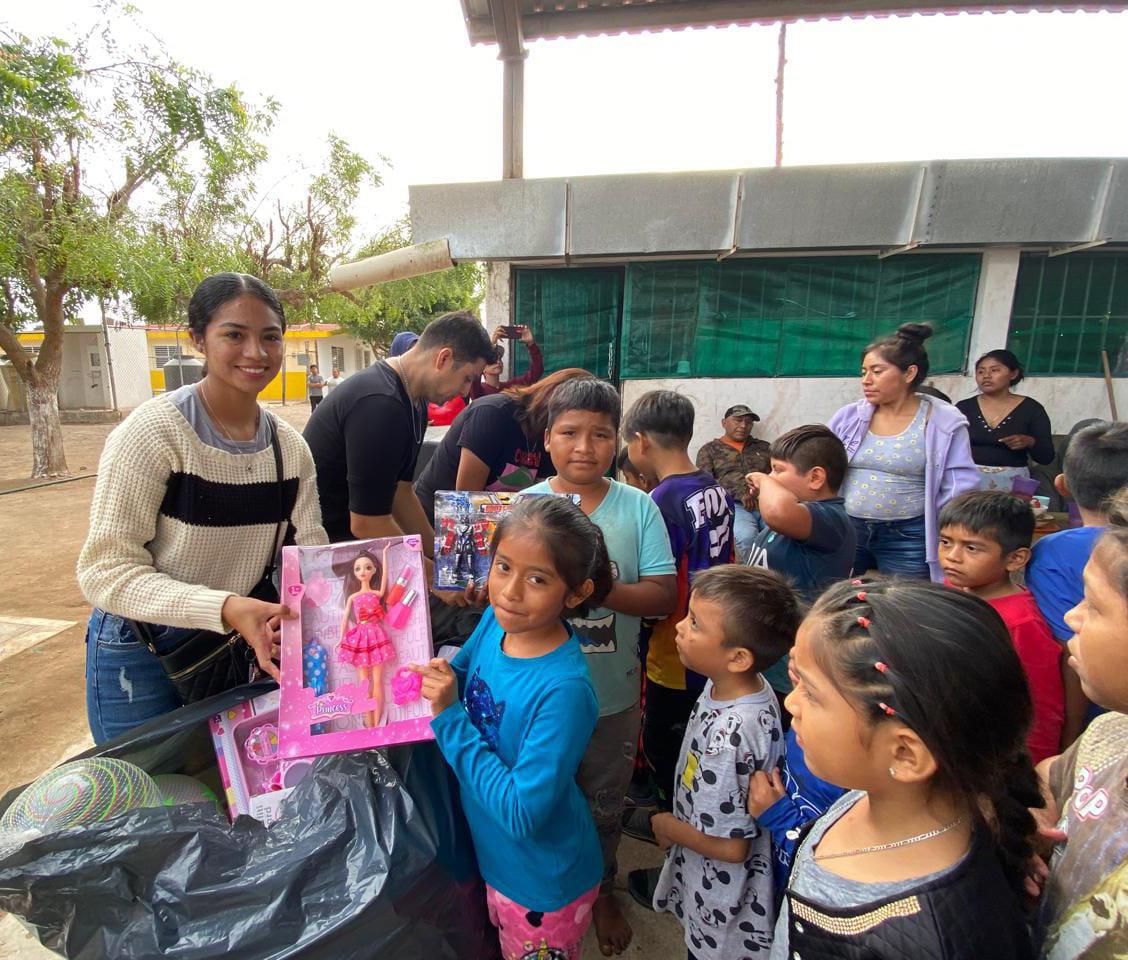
{"x":1005,"y":429}
{"x":496,"y":443}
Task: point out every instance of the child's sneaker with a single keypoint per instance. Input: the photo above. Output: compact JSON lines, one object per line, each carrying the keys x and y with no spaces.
{"x":636,"y":823}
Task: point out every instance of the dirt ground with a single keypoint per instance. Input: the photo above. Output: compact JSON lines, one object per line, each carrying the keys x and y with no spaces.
{"x":42,"y":688}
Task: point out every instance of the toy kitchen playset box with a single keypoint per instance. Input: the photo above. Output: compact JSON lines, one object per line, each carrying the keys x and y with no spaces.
{"x":362,"y":619}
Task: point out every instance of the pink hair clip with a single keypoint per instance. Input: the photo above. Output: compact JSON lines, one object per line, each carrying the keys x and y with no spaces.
{"x":888,"y":710}
{"x":407,"y":685}
{"x":864,"y":622}
{"x":880,"y":667}
{"x":862,"y":596}
{"x":856,"y":583}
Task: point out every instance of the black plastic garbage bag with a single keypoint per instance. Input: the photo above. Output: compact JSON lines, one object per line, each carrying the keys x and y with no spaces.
{"x":371,"y":858}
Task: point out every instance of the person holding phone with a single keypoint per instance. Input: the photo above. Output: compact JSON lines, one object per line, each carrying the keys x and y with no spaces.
{"x":490,"y":381}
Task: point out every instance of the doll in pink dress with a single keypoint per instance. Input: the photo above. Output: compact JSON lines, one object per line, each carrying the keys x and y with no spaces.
{"x":365,"y":645}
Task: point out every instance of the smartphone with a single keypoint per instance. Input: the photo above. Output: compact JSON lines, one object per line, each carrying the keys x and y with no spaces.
{"x":513,"y":332}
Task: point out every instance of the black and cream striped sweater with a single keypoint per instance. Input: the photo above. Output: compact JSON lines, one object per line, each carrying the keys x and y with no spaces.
{"x":176,"y":526}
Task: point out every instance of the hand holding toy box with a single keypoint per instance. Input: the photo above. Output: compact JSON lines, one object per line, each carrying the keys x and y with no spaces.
{"x":362,"y":621}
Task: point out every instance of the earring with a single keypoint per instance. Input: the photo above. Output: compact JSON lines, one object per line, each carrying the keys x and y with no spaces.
{"x":893,"y":773}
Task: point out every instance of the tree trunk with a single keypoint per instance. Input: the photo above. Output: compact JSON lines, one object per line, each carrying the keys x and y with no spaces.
{"x":47,"y":456}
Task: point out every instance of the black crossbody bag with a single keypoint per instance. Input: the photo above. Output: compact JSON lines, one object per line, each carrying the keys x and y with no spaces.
{"x":208,"y":663}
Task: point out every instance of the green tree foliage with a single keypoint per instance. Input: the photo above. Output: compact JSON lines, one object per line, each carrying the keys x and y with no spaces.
{"x":181,"y":147}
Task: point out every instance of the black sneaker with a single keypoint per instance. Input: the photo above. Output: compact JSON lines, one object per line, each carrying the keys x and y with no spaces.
{"x":641,"y":885}
{"x":636,"y":823}
{"x":641,"y":795}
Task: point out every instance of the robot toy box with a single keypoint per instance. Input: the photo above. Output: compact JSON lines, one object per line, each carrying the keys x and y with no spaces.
{"x":362,"y":621}
{"x":464,"y":524}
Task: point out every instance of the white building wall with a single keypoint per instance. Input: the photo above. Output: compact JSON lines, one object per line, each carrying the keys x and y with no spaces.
{"x":129,"y":355}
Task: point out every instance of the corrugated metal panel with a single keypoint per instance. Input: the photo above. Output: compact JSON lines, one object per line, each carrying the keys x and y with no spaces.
{"x":652,"y":213}
{"x":1023,"y":201}
{"x":492,"y":220}
{"x":873,"y":206}
{"x":1114,"y":222}
{"x":541,"y":19}
{"x":863,"y":206}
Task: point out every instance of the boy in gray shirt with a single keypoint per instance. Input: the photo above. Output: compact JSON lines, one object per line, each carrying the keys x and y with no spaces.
{"x":717,"y":879}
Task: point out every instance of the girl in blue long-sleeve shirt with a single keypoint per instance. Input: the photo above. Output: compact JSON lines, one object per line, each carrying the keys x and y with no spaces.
{"x":513,"y":714}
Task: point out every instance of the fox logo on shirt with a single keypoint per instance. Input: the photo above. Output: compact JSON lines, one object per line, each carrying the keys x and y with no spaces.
{"x":709,"y":507}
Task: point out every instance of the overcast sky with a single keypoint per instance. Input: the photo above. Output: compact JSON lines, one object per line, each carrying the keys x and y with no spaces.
{"x":399,"y":78}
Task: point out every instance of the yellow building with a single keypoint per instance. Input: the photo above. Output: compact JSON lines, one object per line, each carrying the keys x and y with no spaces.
{"x":306,"y":344}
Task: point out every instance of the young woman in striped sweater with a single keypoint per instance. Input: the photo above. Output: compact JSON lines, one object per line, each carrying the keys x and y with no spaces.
{"x":186,"y":510}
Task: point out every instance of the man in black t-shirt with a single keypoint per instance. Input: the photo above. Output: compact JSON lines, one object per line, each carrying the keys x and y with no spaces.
{"x":365,"y":436}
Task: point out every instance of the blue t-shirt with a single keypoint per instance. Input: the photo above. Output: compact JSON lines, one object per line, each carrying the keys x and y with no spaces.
{"x":827,"y":555}
{"x":638,"y":546}
{"x":1054,"y":574}
{"x":515,"y":741}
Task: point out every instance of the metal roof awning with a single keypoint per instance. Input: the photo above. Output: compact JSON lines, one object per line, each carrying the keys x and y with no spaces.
{"x":889,"y":208}
{"x":549,"y":19}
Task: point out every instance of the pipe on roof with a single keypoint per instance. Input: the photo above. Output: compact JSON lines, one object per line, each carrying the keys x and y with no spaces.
{"x":413,"y":261}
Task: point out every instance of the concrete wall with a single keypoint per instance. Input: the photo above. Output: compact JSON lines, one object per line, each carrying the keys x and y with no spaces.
{"x":85,"y":380}
{"x":129,"y":353}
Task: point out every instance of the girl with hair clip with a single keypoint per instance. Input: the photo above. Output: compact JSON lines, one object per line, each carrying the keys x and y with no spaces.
{"x":912,"y":697}
{"x":513,"y":714}
{"x":365,"y":645}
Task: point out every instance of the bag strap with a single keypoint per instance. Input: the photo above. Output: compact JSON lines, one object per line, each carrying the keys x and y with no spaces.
{"x":280,"y":534}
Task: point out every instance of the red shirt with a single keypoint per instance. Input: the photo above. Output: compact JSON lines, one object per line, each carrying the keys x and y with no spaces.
{"x":1041,"y":656}
{"x":479,"y":388}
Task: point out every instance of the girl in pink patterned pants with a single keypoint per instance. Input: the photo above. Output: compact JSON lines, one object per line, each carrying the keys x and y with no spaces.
{"x":528,"y":935}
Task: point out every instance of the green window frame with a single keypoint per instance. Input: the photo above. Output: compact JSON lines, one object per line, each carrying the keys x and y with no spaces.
{"x":1068,"y":309}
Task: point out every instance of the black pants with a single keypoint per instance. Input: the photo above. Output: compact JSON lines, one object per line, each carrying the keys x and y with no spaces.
{"x":664,"y":721}
{"x":313,"y":402}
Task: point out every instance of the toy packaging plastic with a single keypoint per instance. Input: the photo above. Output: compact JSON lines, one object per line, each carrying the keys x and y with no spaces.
{"x":464,"y":525}
{"x":362,"y":620}
{"x":255,"y":778}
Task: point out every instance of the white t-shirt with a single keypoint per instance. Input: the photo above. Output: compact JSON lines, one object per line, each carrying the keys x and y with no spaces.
{"x":333,"y":382}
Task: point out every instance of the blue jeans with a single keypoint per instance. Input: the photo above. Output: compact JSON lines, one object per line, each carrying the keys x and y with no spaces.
{"x":893,"y":547}
{"x":745,"y":526}
{"x":125,"y":685}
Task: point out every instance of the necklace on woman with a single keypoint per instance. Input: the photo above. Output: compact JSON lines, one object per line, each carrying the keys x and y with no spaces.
{"x":876,"y":848}
{"x":219,"y":423}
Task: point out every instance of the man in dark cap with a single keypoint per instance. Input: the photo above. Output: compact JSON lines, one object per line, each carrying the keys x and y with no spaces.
{"x":729,"y":459}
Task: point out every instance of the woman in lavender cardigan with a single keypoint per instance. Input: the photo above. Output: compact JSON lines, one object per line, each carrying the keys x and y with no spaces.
{"x":909,"y":455}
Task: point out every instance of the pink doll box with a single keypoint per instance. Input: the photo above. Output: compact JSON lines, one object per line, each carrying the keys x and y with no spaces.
{"x":345,"y":683}
{"x":250,"y":787}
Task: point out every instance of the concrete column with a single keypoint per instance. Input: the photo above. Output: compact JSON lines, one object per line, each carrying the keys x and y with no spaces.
{"x":993,"y":301}
{"x":497,"y":310}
